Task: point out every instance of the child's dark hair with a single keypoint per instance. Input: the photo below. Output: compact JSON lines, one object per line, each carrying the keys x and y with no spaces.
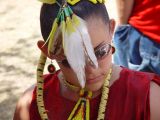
{"x":83,"y":9}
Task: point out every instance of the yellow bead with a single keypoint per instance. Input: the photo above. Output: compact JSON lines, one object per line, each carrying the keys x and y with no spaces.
{"x":106,"y":97}
{"x":48,"y":1}
{"x":89,"y":94}
{"x":100,"y":1}
{"x":93,"y":1}
{"x":107,"y":90}
{"x":81,"y":92}
{"x":73,"y":2}
{"x":107,"y":83}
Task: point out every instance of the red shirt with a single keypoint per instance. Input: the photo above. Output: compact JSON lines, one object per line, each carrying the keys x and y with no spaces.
{"x":128,"y":98}
{"x":145,"y":17}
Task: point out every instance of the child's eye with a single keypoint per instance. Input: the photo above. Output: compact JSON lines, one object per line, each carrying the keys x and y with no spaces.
{"x":100,"y":53}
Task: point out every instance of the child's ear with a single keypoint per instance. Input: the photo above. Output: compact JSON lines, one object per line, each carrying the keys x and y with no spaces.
{"x":44,"y":49}
{"x":112,"y":24}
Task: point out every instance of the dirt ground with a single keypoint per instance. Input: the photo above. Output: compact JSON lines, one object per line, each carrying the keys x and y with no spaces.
{"x":19,"y":32}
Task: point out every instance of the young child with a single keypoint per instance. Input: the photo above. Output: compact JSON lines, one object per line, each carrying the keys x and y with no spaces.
{"x":88,"y":86}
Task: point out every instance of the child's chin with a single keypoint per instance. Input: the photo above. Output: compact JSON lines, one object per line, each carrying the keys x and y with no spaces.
{"x":94,"y":87}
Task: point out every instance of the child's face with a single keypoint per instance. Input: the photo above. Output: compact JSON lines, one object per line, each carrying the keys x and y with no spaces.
{"x":101,"y":37}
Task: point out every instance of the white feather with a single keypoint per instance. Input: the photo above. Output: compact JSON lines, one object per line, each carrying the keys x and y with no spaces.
{"x":75,"y":45}
{"x":74,"y":51}
{"x":82,"y":28}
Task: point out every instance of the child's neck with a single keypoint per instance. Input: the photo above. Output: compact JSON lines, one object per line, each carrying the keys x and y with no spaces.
{"x":72,"y":94}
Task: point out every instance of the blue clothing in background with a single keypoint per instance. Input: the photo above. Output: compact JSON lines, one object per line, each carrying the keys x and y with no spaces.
{"x":136,"y":51}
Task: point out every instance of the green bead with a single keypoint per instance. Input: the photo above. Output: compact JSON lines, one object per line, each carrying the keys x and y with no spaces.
{"x":66,"y":12}
{"x":62,"y":16}
{"x":59,"y":15}
{"x":73,"y":2}
{"x":70,"y":10}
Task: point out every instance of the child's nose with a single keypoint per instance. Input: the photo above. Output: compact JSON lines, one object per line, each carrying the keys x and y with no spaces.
{"x":90,"y":68}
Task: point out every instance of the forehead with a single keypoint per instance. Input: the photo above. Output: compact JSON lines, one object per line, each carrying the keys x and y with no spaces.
{"x":98,"y":31}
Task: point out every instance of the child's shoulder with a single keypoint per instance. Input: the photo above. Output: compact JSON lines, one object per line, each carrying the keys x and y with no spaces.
{"x":24,"y":102}
{"x":137,"y":80}
{"x":22,"y":107}
{"x":139,"y":75}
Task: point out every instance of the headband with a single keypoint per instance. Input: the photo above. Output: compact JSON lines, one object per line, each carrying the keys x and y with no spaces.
{"x":71,"y":2}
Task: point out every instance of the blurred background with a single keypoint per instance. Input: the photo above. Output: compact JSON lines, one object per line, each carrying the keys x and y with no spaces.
{"x":19,"y":33}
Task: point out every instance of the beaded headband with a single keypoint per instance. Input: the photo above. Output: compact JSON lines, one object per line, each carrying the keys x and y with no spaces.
{"x":71,"y":2}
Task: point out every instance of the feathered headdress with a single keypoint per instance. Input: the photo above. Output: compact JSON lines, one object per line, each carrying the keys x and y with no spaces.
{"x":76,"y":41}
